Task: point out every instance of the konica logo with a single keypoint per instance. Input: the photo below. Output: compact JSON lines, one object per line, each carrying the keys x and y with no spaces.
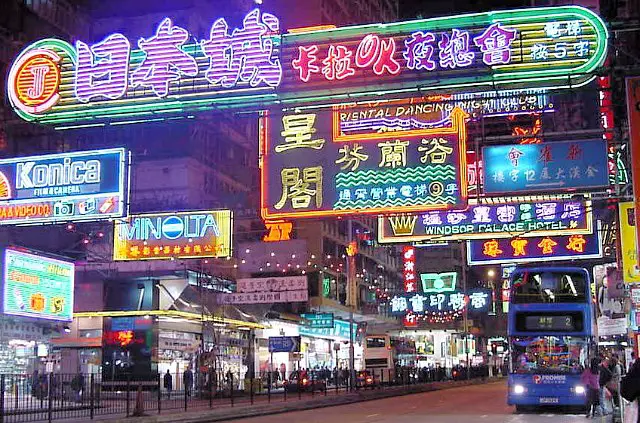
{"x":149,"y":227}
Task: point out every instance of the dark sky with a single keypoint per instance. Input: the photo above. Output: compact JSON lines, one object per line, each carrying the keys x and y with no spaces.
{"x":427,"y":8}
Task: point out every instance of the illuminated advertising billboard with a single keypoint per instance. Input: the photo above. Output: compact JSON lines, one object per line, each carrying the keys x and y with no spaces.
{"x":193,"y":234}
{"x":499,"y":219}
{"x":342,"y":162}
{"x":37,"y":286}
{"x":545,"y":167}
{"x":65,"y":187}
{"x":536,"y":249}
{"x":167,"y":74}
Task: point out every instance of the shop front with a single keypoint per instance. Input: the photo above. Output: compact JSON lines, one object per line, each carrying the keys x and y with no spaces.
{"x":329,"y":347}
{"x":281,"y":363}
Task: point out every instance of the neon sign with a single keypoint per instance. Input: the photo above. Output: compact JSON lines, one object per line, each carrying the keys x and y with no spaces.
{"x":409,"y":269}
{"x":309,"y":170}
{"x":173,"y":235}
{"x":524,"y":250}
{"x":164,"y":75}
{"x":78,"y":186}
{"x":478,"y":300}
{"x":502,"y":219}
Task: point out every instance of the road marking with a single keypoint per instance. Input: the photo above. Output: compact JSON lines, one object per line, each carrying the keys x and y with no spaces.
{"x":484,"y":416}
{"x":373,"y":415}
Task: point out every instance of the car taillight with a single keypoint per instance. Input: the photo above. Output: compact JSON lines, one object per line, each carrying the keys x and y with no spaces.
{"x":369,"y":380}
{"x":304,"y":381}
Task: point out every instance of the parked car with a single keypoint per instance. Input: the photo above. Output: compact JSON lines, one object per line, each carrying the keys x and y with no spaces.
{"x":302,"y":380}
{"x":364,"y":379}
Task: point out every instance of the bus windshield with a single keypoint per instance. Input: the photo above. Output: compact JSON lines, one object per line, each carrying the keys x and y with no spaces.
{"x":549,"y":287}
{"x":548,"y":354}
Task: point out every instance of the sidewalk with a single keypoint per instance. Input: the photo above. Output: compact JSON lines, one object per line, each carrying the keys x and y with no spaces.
{"x":275,"y":407}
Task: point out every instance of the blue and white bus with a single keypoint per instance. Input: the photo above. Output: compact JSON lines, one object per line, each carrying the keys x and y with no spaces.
{"x":550,"y":328}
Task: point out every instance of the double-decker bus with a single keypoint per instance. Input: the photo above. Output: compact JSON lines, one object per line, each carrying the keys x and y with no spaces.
{"x":550,"y":328}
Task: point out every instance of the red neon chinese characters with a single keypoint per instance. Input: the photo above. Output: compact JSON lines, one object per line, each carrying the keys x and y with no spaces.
{"x":305,"y":62}
{"x":409,"y":269}
{"x":337,"y":64}
{"x":372,"y":52}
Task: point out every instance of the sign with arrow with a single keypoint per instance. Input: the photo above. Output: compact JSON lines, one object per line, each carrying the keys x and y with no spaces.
{"x":284,"y":344}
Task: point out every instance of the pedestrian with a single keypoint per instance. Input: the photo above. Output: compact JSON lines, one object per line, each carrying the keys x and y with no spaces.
{"x":631,"y":362}
{"x":168,"y":383}
{"x":77,"y":386}
{"x":605,"y":377}
{"x":590,"y":378}
{"x":630,"y":390}
{"x":187,"y":379}
{"x":614,"y":383}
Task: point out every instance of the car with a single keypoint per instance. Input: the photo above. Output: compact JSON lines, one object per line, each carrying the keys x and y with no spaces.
{"x":364,"y":379}
{"x":303,"y":381}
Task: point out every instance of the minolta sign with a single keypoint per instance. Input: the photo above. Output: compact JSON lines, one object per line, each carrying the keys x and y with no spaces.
{"x":65,"y":187}
{"x":192,"y":226}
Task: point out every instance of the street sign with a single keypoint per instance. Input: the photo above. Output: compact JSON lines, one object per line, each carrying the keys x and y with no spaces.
{"x":318,"y":320}
{"x":284,"y":344}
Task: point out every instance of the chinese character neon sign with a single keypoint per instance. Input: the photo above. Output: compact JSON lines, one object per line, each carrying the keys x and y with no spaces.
{"x":164,"y":74}
{"x":409,"y":269}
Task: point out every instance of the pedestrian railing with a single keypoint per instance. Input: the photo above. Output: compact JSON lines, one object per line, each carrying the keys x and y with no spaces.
{"x":49,"y":397}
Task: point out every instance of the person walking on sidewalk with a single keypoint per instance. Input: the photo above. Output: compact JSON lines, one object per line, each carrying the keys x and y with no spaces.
{"x":590,"y":378}
{"x":168,"y":383}
{"x":187,"y":379}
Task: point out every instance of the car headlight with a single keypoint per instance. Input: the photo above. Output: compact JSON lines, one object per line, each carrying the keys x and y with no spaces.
{"x":518,"y":389}
{"x":579,"y":390}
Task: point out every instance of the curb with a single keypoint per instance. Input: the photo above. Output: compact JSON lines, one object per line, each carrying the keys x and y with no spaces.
{"x":271,"y":409}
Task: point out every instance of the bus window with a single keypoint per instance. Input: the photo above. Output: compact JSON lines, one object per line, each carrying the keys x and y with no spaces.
{"x":549,"y":287}
{"x":376,"y":342}
{"x":548,"y":354}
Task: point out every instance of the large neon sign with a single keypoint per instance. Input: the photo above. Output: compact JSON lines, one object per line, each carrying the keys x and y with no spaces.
{"x":173,"y":235}
{"x":254,"y":66}
{"x":78,"y":186}
{"x":310,"y":167}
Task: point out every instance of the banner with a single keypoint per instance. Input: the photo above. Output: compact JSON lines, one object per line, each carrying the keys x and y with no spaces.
{"x":633,"y":111}
{"x":274,"y":284}
{"x":628,"y":237}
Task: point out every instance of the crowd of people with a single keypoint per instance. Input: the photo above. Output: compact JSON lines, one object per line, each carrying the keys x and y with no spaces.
{"x":603,"y":379}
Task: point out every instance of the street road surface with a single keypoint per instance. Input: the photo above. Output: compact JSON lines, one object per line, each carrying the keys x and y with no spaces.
{"x":477,"y":404}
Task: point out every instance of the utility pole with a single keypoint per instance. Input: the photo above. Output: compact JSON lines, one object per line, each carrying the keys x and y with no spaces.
{"x":351,"y":296}
{"x":465,"y":311}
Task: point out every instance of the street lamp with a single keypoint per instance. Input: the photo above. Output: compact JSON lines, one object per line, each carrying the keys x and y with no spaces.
{"x":491,"y":273}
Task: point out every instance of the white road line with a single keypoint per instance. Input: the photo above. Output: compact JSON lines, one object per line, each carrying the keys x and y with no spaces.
{"x":373,"y":415}
{"x":484,"y":416}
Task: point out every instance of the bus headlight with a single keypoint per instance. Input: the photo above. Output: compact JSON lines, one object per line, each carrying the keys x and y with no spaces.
{"x":579,"y":390}
{"x":518,"y":389}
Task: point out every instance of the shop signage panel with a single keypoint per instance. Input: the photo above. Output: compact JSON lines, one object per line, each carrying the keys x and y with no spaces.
{"x":37,"y":286}
{"x":284,"y":344}
{"x":478,"y":300}
{"x":264,"y":297}
{"x":609,"y":327}
{"x":497,"y":220}
{"x":635,"y":297}
{"x":274,"y":284}
{"x":545,"y":167}
{"x":311,"y":167}
{"x":628,"y":241}
{"x":409,"y":274}
{"x":318,"y":320}
{"x":193,"y":234}
{"x":340,"y":329}
{"x":166,"y":75}
{"x":66,"y":187}
{"x":536,"y":249}
{"x":633,"y":111}
{"x":439,"y":282}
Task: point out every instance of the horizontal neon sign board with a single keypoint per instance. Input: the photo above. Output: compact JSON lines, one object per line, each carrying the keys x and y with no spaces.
{"x":77,"y":186}
{"x":37,"y":286}
{"x":197,"y":234}
{"x":254,"y":66}
{"x":500,"y":220}
{"x":536,"y":249}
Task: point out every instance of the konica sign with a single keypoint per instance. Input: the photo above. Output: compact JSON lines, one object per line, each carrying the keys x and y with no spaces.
{"x":77,"y":186}
{"x":174,"y":235}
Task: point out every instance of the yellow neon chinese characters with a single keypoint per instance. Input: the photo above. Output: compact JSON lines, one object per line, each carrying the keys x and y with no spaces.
{"x":298,"y":133}
{"x":491,"y":248}
{"x":300,"y":188}
{"x":437,"y":153}
{"x":351,"y":157}
{"x":393,"y":154}
{"x":547,"y":245}
{"x":278,"y":231}
{"x":576,"y":243}
{"x":519,"y":245}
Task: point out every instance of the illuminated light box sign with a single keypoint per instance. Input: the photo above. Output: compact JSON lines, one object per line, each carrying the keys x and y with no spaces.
{"x":37,"y":286}
{"x":478,"y":300}
{"x":500,"y":220}
{"x":536,"y":249}
{"x":438,"y":282}
{"x":551,"y":166}
{"x":77,"y":186}
{"x":409,"y":274}
{"x":310,"y":169}
{"x":253,"y":66}
{"x":196,"y":234}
